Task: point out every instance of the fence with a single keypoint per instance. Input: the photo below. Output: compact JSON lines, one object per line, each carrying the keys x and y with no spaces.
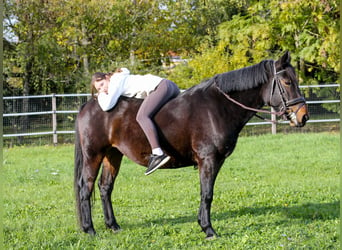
{"x":47,"y":119}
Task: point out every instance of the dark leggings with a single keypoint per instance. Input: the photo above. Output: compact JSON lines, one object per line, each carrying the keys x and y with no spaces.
{"x":165,"y":91}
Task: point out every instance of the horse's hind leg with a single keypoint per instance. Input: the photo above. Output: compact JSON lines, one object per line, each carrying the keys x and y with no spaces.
{"x":111,"y":166}
{"x":86,"y":184}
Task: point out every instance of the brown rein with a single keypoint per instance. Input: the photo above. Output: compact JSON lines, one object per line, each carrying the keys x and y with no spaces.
{"x":280,"y":113}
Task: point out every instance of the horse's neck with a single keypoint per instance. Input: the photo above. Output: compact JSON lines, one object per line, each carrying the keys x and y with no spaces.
{"x":251,"y":98}
{"x":245,"y":104}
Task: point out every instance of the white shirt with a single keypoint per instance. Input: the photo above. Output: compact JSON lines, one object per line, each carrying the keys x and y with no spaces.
{"x":123,"y":83}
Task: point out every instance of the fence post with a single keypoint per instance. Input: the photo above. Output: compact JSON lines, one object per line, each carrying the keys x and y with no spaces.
{"x":54,"y":119}
{"x":273,"y":119}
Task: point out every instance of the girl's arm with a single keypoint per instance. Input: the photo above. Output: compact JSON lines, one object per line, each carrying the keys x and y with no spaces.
{"x":115,"y":89}
{"x":107,"y":101}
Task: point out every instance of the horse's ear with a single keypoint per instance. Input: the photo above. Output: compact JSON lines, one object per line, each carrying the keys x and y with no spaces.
{"x":284,"y":60}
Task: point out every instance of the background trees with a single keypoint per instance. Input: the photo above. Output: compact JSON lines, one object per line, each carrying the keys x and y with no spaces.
{"x":55,"y":45}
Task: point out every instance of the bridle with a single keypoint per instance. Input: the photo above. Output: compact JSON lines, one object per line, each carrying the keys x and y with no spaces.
{"x":286,"y":103}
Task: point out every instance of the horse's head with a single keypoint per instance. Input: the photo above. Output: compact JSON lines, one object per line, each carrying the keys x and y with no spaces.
{"x":283,"y":92}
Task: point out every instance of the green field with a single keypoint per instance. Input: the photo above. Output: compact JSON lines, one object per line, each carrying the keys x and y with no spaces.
{"x":274,"y":192}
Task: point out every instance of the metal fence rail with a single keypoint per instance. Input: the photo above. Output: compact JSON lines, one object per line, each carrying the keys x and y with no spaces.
{"x":45,"y":115}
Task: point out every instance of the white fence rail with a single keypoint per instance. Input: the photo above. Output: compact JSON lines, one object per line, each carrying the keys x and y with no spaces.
{"x":55,"y":114}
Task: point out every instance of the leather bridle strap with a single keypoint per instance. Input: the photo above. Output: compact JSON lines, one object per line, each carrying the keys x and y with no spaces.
{"x":286,"y":103}
{"x":295,"y":101}
{"x":280,"y":113}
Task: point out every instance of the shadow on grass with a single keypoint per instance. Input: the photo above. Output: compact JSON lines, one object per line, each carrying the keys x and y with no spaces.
{"x":307,"y":211}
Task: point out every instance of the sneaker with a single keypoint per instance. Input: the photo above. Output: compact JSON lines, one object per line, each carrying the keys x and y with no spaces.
{"x":155,"y":162}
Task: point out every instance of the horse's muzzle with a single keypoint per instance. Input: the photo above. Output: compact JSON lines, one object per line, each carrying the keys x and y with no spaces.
{"x":298,"y":115}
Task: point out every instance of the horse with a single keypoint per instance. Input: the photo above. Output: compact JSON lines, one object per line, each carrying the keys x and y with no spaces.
{"x":200,"y":127}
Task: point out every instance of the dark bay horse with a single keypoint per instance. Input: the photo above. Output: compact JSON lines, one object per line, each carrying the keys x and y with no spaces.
{"x":199,"y":127}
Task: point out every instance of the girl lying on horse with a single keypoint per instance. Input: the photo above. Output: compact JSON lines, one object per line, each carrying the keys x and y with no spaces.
{"x":155,"y":91}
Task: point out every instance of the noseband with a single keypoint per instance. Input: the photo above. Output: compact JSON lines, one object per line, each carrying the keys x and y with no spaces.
{"x":286,"y":103}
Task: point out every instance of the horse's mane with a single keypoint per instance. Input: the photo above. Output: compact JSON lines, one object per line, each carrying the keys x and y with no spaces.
{"x":241,"y":79}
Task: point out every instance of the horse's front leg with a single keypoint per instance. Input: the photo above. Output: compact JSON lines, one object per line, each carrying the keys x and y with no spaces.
{"x":111,"y":166}
{"x":208,"y":173}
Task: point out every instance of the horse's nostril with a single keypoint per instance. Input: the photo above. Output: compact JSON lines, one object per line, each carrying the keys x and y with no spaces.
{"x":305,"y":118}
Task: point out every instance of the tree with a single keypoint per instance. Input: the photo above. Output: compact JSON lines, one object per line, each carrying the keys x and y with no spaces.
{"x":308,"y":29}
{"x":36,"y":56}
{"x":59,"y":43}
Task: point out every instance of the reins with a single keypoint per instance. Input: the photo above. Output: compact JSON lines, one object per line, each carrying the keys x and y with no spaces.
{"x":280,"y":113}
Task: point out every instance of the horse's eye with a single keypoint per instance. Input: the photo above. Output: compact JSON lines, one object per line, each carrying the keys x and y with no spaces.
{"x":287,"y":83}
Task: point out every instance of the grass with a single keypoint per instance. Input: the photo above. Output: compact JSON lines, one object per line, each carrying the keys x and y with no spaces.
{"x":274,"y":192}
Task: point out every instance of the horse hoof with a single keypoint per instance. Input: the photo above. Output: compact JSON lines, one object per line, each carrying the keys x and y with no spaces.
{"x":91,"y":232}
{"x":212,"y":237}
{"x":116,"y":230}
{"x":210,"y":233}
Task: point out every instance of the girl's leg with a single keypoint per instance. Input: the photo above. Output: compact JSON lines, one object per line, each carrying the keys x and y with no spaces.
{"x":165,"y":91}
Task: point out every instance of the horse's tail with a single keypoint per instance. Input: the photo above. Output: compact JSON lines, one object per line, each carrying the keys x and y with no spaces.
{"x":78,"y":171}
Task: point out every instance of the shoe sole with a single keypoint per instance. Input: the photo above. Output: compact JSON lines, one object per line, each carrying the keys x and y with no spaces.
{"x":159,"y":165}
